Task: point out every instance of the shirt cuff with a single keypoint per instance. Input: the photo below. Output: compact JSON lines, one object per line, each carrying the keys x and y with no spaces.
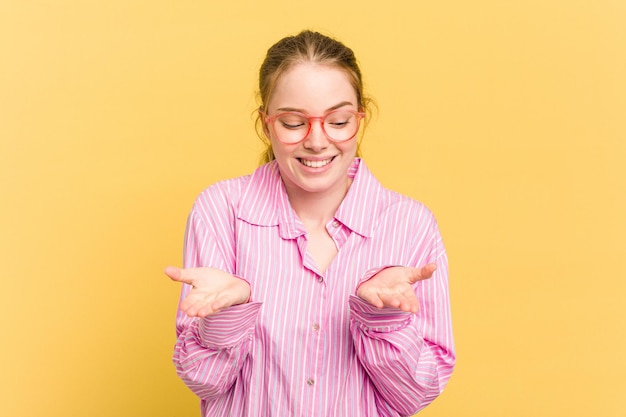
{"x":376,"y":319}
{"x":228,"y":327}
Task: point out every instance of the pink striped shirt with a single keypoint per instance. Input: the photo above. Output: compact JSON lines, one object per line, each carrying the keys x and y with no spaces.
{"x":305,"y":345}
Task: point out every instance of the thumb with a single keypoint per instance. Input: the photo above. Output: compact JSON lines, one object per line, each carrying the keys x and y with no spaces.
{"x":425,"y":272}
{"x":175,"y":273}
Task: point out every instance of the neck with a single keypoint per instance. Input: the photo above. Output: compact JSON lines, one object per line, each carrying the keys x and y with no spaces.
{"x":317,"y":209}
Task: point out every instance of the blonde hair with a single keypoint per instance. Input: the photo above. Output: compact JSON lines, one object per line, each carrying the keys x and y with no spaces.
{"x":311,"y":47}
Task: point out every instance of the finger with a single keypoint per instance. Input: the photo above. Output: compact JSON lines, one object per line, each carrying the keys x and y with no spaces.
{"x":205,"y":311}
{"x":173,"y":272}
{"x":403,"y":302}
{"x":425,"y":272}
{"x":405,"y":306}
{"x":406,"y":302}
{"x":372,"y":298}
{"x":184,"y":275}
{"x":412,"y":308}
{"x":410,"y":305}
{"x":199,"y":307}
{"x":188,"y":303}
{"x":392,"y":301}
{"x":220,"y":303}
{"x":214,"y":306}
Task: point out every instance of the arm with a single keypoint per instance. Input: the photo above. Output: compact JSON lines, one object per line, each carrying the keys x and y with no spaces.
{"x":409,"y":357}
{"x":214,"y":332}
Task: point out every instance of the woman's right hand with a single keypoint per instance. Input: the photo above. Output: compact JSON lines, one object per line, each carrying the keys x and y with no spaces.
{"x":212,"y":290}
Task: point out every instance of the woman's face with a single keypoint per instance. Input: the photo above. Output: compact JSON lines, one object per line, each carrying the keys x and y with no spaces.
{"x":315,"y":165}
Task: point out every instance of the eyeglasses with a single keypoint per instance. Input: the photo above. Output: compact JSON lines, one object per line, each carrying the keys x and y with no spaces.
{"x":293,"y":127}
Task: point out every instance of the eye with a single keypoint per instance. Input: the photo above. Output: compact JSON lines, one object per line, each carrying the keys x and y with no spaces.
{"x":291,"y":125}
{"x":292,"y":121}
{"x":339,"y":120}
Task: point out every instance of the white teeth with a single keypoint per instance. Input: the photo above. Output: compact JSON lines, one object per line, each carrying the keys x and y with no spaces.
{"x":315,"y":164}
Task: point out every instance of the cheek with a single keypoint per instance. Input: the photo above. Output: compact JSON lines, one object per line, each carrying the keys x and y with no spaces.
{"x":280,"y":149}
{"x":349,"y":148}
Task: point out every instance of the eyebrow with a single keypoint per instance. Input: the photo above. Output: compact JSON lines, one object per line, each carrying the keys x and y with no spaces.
{"x":335,"y":107}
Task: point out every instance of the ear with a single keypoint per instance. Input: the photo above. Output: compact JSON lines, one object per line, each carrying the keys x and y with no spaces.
{"x":264,"y":126}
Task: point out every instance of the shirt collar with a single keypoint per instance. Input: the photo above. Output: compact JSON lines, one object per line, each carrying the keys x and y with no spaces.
{"x":362,"y":205}
{"x":264,"y":202}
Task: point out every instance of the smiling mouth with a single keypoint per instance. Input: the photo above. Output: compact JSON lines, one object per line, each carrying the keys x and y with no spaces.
{"x":315,"y":164}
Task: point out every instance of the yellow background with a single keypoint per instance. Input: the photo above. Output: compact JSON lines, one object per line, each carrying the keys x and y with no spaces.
{"x":507,"y":118}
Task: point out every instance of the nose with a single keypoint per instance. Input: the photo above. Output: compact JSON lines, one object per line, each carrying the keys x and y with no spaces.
{"x":317,"y":139}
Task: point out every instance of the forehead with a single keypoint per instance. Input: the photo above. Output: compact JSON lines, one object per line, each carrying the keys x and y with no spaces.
{"x":312,"y":88}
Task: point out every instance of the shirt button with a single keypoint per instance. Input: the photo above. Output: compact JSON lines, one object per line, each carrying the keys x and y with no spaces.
{"x":335,"y":223}
{"x":320,"y":280}
{"x":316,"y":327}
{"x":310,"y":381}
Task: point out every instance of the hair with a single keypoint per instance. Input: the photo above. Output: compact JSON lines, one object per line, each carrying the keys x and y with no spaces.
{"x":312,"y":47}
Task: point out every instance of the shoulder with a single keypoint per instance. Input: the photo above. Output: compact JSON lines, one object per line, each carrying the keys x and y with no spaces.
{"x":222,"y":193}
{"x":372,"y":209}
{"x":390,"y":202}
{"x":413,"y":212}
{"x":235,"y":193}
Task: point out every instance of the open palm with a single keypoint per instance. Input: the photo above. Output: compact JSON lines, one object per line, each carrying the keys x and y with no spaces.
{"x":212,"y":290}
{"x":393,"y":287}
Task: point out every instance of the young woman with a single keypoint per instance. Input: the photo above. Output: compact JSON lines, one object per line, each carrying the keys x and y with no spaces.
{"x":308,"y":288}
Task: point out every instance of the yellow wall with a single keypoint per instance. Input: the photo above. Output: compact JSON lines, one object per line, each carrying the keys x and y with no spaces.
{"x":507,"y":118}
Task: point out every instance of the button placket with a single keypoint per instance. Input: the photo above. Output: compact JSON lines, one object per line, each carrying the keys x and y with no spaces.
{"x":315,"y":363}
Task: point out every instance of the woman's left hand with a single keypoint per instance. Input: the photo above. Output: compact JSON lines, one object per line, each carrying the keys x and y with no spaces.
{"x":393,"y":287}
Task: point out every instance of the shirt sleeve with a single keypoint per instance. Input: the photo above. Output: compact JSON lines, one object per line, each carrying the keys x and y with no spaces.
{"x":210,"y":352}
{"x":408,"y":357}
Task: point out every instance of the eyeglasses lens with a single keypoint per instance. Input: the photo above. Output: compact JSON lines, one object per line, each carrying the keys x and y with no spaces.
{"x":339,"y":126}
